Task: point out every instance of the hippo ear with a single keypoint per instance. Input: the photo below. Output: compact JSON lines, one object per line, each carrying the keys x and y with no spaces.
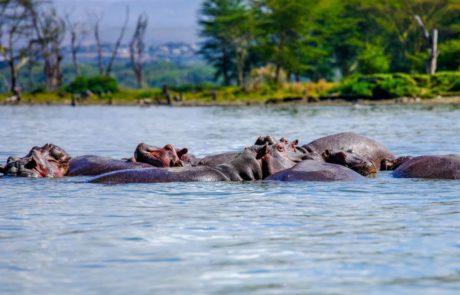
{"x":263,"y":152}
{"x":295,"y":142}
{"x":182,"y":152}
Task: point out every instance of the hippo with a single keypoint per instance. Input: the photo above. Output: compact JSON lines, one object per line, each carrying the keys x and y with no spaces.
{"x":145,"y":156}
{"x":312,"y":170}
{"x":430,"y":167}
{"x":358,"y":145}
{"x":253,"y":163}
{"x":48,"y":161}
{"x":351,"y":160}
{"x":291,"y":148}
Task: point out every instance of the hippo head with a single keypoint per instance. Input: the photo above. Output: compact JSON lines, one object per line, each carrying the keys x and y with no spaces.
{"x":294,"y":152}
{"x":159,"y":157}
{"x":47,"y":161}
{"x":351,"y":160}
{"x":390,"y":165}
{"x":275,"y":158}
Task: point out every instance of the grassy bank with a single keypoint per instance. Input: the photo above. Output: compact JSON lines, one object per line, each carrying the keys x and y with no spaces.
{"x":381,"y":88}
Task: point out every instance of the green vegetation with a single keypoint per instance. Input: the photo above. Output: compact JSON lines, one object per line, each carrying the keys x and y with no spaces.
{"x":373,"y":87}
{"x":330,"y":39}
{"x":386,"y":86}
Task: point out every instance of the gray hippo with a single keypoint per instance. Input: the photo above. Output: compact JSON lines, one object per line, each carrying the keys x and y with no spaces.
{"x":348,"y":142}
{"x":46,"y":161}
{"x":145,"y":156}
{"x":294,"y":153}
{"x":52,"y":161}
{"x":311,"y":170}
{"x":431,"y":167}
{"x":253,"y":163}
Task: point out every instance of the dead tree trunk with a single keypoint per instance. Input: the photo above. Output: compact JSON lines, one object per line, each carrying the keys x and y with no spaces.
{"x":432,"y":42}
{"x":108,"y":70}
{"x":97,"y":37}
{"x":136,"y":49}
{"x":77,"y":35}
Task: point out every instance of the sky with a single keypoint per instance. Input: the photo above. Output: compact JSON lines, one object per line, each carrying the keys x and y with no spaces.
{"x":169,"y":20}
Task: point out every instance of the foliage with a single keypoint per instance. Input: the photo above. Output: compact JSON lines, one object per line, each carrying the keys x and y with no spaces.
{"x":98,"y":85}
{"x":333,"y":39}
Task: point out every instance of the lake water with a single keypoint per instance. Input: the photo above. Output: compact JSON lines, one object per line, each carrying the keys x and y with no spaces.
{"x":385,"y":235}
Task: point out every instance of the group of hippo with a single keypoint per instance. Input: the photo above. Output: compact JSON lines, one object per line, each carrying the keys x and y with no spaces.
{"x":343,"y":156}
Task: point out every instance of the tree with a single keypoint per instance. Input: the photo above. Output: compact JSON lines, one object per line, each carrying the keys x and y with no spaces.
{"x":15,"y":30}
{"x":50,"y":31}
{"x":96,"y":28}
{"x":137,"y":48}
{"x":226,"y":27}
{"x":77,"y":31}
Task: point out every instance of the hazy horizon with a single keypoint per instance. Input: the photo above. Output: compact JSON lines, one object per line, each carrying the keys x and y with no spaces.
{"x":169,"y":20}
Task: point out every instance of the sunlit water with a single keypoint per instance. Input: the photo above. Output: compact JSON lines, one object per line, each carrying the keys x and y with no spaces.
{"x":383,"y":235}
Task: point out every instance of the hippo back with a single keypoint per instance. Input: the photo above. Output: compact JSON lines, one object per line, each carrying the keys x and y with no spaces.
{"x":161,"y":175}
{"x":311,"y":170}
{"x":94,"y":165}
{"x":359,"y":144}
{"x":430,"y":167}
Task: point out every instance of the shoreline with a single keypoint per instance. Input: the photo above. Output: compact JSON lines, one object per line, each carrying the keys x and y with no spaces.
{"x":404,"y":101}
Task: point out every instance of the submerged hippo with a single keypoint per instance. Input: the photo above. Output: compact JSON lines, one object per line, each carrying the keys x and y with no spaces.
{"x":358,"y":145}
{"x":254,"y":163}
{"x":431,"y":167}
{"x":145,"y":156}
{"x":290,"y":148}
{"x":46,"y":161}
{"x":311,"y":170}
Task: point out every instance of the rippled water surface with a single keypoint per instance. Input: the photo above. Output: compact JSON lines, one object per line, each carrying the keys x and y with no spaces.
{"x":383,"y":235}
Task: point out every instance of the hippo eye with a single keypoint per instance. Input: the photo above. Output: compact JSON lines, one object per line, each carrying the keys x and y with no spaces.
{"x":280,"y":148}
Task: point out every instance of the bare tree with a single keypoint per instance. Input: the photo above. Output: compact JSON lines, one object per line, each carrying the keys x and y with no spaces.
{"x":108,"y":70}
{"x":15,"y":29}
{"x":432,"y":42}
{"x":97,"y":37}
{"x":77,"y":31}
{"x":136,"y":49}
{"x":50,"y":32}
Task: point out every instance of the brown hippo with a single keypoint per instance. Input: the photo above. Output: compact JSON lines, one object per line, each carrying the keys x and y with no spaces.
{"x":294,"y":153}
{"x":350,"y":160}
{"x":356,"y":144}
{"x":145,"y":156}
{"x":431,"y":167}
{"x":253,"y":163}
{"x":46,"y":161}
{"x":311,"y":170}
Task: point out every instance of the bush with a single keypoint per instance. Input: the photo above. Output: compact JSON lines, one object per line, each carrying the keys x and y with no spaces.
{"x":444,"y":81}
{"x":102,"y":85}
{"x":79,"y":85}
{"x":379,"y":86}
{"x":98,"y":85}
{"x":356,"y":89}
{"x":396,"y":87}
{"x":456,"y":85}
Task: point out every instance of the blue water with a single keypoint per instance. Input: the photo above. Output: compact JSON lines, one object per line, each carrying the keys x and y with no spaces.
{"x":63,"y":236}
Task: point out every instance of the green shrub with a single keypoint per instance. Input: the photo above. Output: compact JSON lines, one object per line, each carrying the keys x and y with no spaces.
{"x":102,"y":85}
{"x":98,"y":85}
{"x":422,"y":80}
{"x":77,"y":86}
{"x":456,"y":85}
{"x":356,"y":89}
{"x":394,"y":88}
